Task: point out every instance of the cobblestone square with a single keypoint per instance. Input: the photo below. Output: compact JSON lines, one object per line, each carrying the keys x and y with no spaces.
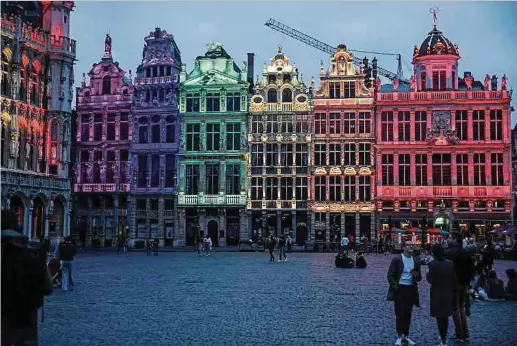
{"x":241,"y":299}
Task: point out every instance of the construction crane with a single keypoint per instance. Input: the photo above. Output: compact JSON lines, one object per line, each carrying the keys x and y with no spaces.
{"x":311,"y":41}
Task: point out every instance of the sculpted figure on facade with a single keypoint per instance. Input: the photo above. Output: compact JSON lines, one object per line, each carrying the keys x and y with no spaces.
{"x":107,"y":44}
{"x":83,"y":82}
{"x":468,"y":82}
{"x":89,"y":171}
{"x":412,"y":83}
{"x":14,"y":145}
{"x":486,"y":84}
{"x":504,"y":82}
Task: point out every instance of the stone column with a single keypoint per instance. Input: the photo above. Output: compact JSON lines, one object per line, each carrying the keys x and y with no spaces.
{"x":372,"y":225}
{"x":131,"y":215}
{"x":222,"y":226}
{"x":327,"y":227}
{"x":149,"y":170}
{"x":470,"y":125}
{"x":488,"y":167}
{"x":202,"y":177}
{"x":357,"y":226}
{"x":103,"y":220}
{"x":396,"y":169}
{"x":66,"y":217}
{"x":312,"y":233}
{"x":147,"y":219}
{"x":293,"y":222}
{"x":279,"y":222}
{"x":89,"y":222}
{"x":412,"y":169}
{"x":161,"y":230}
{"x":180,"y":236}
{"x":470,"y":171}
{"x":412,"y":126}
{"x":454,"y":169}
{"x":28,"y":217}
{"x":244,"y":226}
{"x":116,"y":216}
{"x":222,"y":178}
{"x":429,"y":169}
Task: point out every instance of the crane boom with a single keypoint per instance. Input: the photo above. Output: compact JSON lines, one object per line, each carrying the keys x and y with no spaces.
{"x":311,"y":41}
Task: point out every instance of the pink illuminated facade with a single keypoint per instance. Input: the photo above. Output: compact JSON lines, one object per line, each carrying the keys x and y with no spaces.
{"x":443,"y":148}
{"x":102,"y":170}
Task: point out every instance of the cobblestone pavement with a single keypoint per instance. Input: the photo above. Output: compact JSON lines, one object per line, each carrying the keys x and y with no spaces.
{"x":241,"y":299}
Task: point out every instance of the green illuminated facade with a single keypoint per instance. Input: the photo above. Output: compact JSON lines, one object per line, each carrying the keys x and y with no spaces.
{"x":212,"y":164}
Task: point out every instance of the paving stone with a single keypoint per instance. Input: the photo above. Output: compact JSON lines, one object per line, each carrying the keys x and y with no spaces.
{"x":242,"y":299}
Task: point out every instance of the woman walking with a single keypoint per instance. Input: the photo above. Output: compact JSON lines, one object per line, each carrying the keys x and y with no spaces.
{"x":442,"y":278}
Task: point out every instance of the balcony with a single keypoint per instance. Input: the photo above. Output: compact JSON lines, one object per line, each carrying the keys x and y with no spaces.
{"x":443,"y":95}
{"x":211,"y":200}
{"x":278,"y":204}
{"x":101,"y":187}
{"x":424,"y":192}
{"x":153,"y":80}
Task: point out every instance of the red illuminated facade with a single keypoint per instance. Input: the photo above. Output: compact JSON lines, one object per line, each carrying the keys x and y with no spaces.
{"x":443,"y":148}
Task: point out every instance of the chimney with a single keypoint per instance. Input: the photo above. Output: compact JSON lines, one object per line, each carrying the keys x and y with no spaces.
{"x":374,"y":68}
{"x":251,"y":64}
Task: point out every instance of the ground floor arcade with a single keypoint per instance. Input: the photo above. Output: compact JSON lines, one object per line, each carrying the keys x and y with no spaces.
{"x":294,"y":223}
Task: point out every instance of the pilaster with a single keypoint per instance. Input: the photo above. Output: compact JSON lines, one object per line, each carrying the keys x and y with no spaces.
{"x":244,"y":226}
{"x":279,"y":229}
{"x":222,"y":227}
{"x":161,"y":224}
{"x":116,"y":216}
{"x":293,"y":222}
{"x":357,"y":226}
{"x":327,"y":227}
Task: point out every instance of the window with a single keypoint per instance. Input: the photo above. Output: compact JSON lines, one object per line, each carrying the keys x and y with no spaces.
{"x":479,"y":125}
{"x":496,"y":162}
{"x":142,"y":170}
{"x":349,"y":90}
{"x":193,"y":135}
{"x":334,"y":90}
{"x":287,"y":95}
{"x":192,"y":102}
{"x":85,"y":128}
{"x":462,"y":164}
{"x":106,"y":85}
{"x":364,"y":154}
{"x":212,"y":179}
{"x":364,"y":122}
{"x":420,"y":126}
{"x":286,"y":189}
{"x":233,"y":136}
{"x":423,"y":81}
{"x":110,"y":167}
{"x":421,"y":169}
{"x":155,"y":133}
{"x":272,"y":95}
{"x":302,"y":123}
{"x":97,"y":127}
{"x":301,"y":189}
{"x":349,"y":123}
{"x":319,"y":189}
{"x":286,"y":154}
{"x":441,"y":169}
{"x":349,"y":149}
{"x":257,"y":155}
{"x":404,"y":173}
{"x":286,"y":124}
{"x":256,"y":124}
{"x":271,"y":154}
{"x":334,"y":188}
{"x":439,"y":80}
{"x":110,"y":133}
{"x":271,"y":124}
{"x":479,"y":169}
{"x":496,"y":125}
{"x":334,"y":154}
{"x":364,"y":188}
{"x":320,"y":123}
{"x":403,"y":126}
{"x":212,"y":137}
{"x":124,"y":166}
{"x":192,"y":179}
{"x":233,"y":179}
{"x":256,"y":188}
{"x":124,"y":127}
{"x":349,"y":188}
{"x":169,"y":170}
{"x":387,"y":169}
{"x":461,"y":124}
{"x":387,"y":126}
{"x":155,"y":171}
{"x":213,"y":102}
{"x":320,"y":155}
{"x":170,"y":133}
{"x":233,"y":102}
{"x":334,"y":123}
{"x":271,"y":189}
{"x":302,"y":155}
{"x":143,"y":135}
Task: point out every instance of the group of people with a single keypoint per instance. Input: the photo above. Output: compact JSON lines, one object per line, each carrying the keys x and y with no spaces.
{"x":283,"y":242}
{"x":451,"y":275}
{"x":61,"y":264}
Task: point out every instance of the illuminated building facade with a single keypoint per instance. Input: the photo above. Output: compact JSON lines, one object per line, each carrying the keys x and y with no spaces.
{"x":155,"y":140}
{"x":279,"y":138}
{"x":443,"y":145}
{"x":37,"y":90}
{"x":342,"y":180}
{"x":103,"y":138}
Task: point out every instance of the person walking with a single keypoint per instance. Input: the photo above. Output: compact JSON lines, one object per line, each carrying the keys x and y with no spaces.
{"x":66,"y":254}
{"x":271,"y":247}
{"x":403,"y":277}
{"x":208,"y":244}
{"x":281,"y":248}
{"x":464,"y":270}
{"x":148,"y":246}
{"x":344,"y":244}
{"x":120,"y":244}
{"x":442,"y":277}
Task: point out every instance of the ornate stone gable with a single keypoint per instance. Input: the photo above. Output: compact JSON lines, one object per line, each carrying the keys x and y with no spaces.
{"x":212,"y":78}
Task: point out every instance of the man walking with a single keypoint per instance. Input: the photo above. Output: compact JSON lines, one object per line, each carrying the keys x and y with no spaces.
{"x":208,"y":244}
{"x":66,"y":254}
{"x":281,"y":248}
{"x":271,"y":247}
{"x":403,"y":277}
{"x":464,"y":269}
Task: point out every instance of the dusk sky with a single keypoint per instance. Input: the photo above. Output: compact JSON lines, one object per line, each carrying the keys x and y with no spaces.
{"x":485,"y":32}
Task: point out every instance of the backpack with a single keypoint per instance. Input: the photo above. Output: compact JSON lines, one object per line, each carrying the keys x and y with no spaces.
{"x":25,"y":282}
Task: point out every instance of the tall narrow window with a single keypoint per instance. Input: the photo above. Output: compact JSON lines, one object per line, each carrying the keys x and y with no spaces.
{"x":320,"y":123}
{"x":271,"y":189}
{"x":271,"y":124}
{"x":349,"y":90}
{"x":257,"y":155}
{"x":272,"y":96}
{"x":349,"y":188}
{"x":97,"y":127}
{"x":423,"y":81}
{"x":271,"y":155}
{"x":334,"y":154}
{"x":334,"y":188}
{"x":124,"y":166}
{"x":233,"y":179}
{"x":285,"y":158}
{"x":439,"y":80}
{"x":496,"y":162}
{"x":302,"y":155}
{"x":233,"y":102}
{"x":349,"y":123}
{"x":387,"y":126}
{"x":462,"y":164}
{"x":143,"y":134}
{"x":169,"y":170}
{"x":334,"y":90}
{"x":334,"y":123}
{"x":124,"y":127}
{"x":302,"y":123}
{"x":320,"y":155}
{"x":479,"y":125}
{"x":287,"y":95}
{"x":387,"y":169}
{"x":212,"y":179}
{"x":110,"y":166}
{"x":212,"y":137}
{"x":461,"y":124}
{"x":286,"y":188}
{"x":142,"y":170}
{"x":364,"y":154}
{"x":85,"y":128}
{"x":233,"y":136}
{"x":193,"y":102}
{"x":421,"y":169}
{"x":479,"y":169}
{"x":110,"y":133}
{"x":286,"y":124}
{"x":320,"y":189}
{"x":364,"y":122}
{"x":155,"y":171}
{"x":349,"y":149}
{"x":301,"y":189}
{"x":364,"y":188}
{"x":404,"y":171}
{"x":106,"y":85}
{"x":193,"y":137}
{"x":403,"y":126}
{"x":155,"y":133}
{"x":191,"y":179}
{"x":256,"y":188}
{"x":257,"y":124}
{"x":441,"y":169}
{"x":496,"y":125}
{"x":420,"y":126}
{"x":170,"y":134}
{"x":213,"y":102}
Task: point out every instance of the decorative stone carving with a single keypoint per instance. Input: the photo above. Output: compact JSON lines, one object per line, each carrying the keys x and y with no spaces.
{"x":441,"y":133}
{"x":504,"y":81}
{"x":14,"y":144}
{"x":486,"y":83}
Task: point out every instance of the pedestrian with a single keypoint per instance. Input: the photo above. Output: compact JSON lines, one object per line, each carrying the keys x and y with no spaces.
{"x":25,"y":282}
{"x":66,"y":254}
{"x":271,"y":247}
{"x":442,"y":278}
{"x":344,"y":244}
{"x":148,"y":246}
{"x":200,"y":247}
{"x":464,"y":270}
{"x":360,"y":262}
{"x":289,"y":244}
{"x":511,"y":286}
{"x":208,"y":244}
{"x":156,"y":246}
{"x":124,"y":239}
{"x":281,"y":248}
{"x":403,"y":277}
{"x":351,"y":241}
{"x":120,"y":245}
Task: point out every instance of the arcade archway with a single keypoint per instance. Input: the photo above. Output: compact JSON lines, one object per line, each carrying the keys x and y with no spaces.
{"x":38,"y":218}
{"x":18,"y":207}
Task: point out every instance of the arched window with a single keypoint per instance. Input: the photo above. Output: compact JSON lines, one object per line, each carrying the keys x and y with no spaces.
{"x":34,"y":95}
{"x":287,"y":95}
{"x":271,"y":95}
{"x":54,"y":131}
{"x":106,"y":85}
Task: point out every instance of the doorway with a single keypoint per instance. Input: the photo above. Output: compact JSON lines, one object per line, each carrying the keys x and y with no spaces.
{"x":213,"y":232}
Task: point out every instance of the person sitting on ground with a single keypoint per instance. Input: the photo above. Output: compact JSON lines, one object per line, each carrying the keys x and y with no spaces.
{"x":360,"y":262}
{"x":510,"y":292}
{"x":343,"y":261}
{"x":495,"y":286}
